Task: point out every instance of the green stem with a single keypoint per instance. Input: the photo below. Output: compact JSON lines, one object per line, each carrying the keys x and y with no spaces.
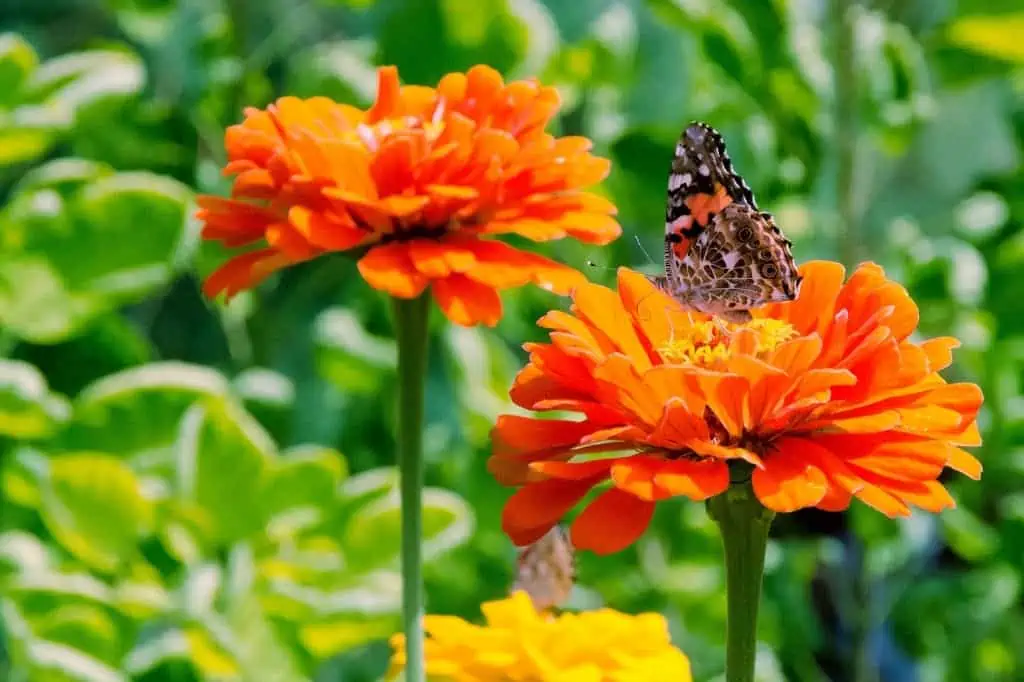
{"x":411,"y":334}
{"x":844,"y":13}
{"x":744,"y":523}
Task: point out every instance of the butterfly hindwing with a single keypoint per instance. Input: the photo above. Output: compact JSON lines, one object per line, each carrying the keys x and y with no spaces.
{"x":546,"y":569}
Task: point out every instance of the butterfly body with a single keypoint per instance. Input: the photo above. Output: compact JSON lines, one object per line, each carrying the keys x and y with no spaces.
{"x":723,"y":256}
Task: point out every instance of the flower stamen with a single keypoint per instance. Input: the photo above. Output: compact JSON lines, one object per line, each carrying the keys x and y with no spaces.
{"x":707,"y":343}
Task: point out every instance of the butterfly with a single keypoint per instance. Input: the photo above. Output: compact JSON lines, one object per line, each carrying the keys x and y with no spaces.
{"x":546,"y":569}
{"x":723,"y":256}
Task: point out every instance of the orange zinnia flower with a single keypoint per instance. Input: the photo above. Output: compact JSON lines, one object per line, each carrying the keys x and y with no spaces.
{"x":825,"y":398}
{"x":420,"y":180}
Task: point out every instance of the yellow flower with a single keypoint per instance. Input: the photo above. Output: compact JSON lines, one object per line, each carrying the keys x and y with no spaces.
{"x":520,"y":644}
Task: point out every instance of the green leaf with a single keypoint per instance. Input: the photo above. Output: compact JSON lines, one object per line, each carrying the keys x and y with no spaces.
{"x":224,"y":456}
{"x":21,"y":552}
{"x":108,"y":344}
{"x":463,"y":33}
{"x":154,"y":649}
{"x":141,"y":599}
{"x":66,"y":176}
{"x":263,"y":654}
{"x":24,"y":136}
{"x":23,"y":474}
{"x":84,"y":627}
{"x":113,"y":209}
{"x":212,"y":648}
{"x":65,"y":268}
{"x":968,"y":535}
{"x":93,"y":505}
{"x":350,"y":357}
{"x":269,"y":396}
{"x":27,"y":409}
{"x":137,"y":412}
{"x":303,"y":477}
{"x":51,"y":662}
{"x":36,"y":306}
{"x":78,"y":79}
{"x":375,"y":594}
{"x":61,"y":587}
{"x":17,"y":62}
{"x":144,"y":214}
{"x":371,"y":536}
{"x":333,"y":636}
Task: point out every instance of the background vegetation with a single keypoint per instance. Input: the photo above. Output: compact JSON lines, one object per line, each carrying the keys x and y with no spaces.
{"x":196,"y":492}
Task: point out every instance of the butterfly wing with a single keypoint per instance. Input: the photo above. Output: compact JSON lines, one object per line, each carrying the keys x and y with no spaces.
{"x":546,"y":570}
{"x":717,"y":242}
{"x":701,"y":183}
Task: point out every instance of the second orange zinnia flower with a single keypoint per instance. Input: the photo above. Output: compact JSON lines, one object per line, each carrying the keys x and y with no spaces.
{"x":825,"y":398}
{"x":422,"y":180}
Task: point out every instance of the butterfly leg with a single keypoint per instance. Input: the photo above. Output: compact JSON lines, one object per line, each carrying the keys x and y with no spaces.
{"x":723,"y":331}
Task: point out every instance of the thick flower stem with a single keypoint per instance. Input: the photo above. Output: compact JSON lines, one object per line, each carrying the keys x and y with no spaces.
{"x":411,"y":335}
{"x":744,"y":523}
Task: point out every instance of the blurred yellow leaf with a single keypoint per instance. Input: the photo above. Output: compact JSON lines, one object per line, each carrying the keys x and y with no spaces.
{"x":328,"y":638}
{"x":1001,"y":37}
{"x":94,"y":506}
{"x":209,"y":656}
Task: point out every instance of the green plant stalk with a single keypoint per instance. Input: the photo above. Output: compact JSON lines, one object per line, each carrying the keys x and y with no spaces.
{"x":744,"y":523}
{"x":843,"y":14}
{"x":411,"y":334}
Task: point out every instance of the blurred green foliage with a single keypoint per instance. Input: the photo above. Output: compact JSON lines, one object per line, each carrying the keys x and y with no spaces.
{"x":194,"y":491}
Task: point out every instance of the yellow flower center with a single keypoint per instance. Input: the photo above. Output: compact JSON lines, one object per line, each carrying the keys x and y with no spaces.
{"x":707,"y":343}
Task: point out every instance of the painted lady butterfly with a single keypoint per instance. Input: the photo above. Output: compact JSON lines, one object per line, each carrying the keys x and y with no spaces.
{"x":723,"y":256}
{"x":546,"y":569}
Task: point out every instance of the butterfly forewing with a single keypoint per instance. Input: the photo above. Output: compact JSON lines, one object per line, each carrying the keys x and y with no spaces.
{"x":722,"y":255}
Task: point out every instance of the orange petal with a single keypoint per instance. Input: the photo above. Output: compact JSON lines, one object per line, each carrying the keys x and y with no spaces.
{"x":244,"y":272}
{"x":695,"y":479}
{"x":603,"y":309}
{"x":532,"y":510}
{"x":726,"y":397}
{"x":394,"y":163}
{"x":658,"y":316}
{"x":928,"y":495}
{"x":931,"y":496}
{"x":286,"y":239}
{"x":439,"y":259}
{"x":940,"y":352}
{"x":350,"y":168}
{"x":636,"y":475}
{"x":835,"y":500}
{"x":389,"y":268}
{"x":786,"y":483}
{"x":501,"y":266}
{"x":388,"y":91}
{"x":326,"y":232}
{"x":679,"y":424}
{"x":964,"y":462}
{"x":466,"y":302}
{"x":611,"y":522}
{"x":524,"y":433}
{"x":843,"y":476}
{"x":620,"y":385}
{"x":676,"y":383}
{"x":813,"y":309}
{"x":577,"y":471}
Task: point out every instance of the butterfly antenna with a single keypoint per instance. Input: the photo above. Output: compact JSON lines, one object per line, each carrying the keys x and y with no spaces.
{"x":643,"y":250}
